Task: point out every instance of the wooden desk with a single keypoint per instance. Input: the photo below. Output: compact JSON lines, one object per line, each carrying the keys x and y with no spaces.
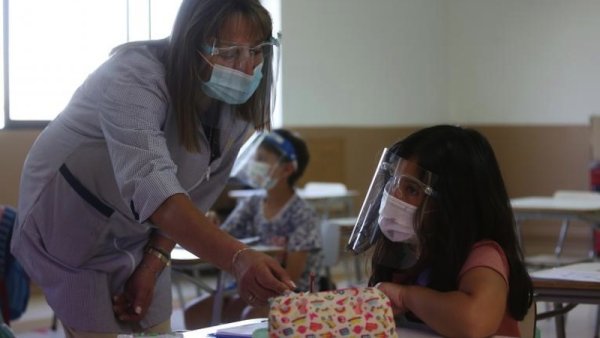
{"x":183,"y":261}
{"x":566,"y":287}
{"x":209,"y":331}
{"x":565,"y":206}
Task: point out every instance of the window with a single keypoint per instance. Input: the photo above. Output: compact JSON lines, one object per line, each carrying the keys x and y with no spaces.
{"x":274,"y":7}
{"x":51,"y":46}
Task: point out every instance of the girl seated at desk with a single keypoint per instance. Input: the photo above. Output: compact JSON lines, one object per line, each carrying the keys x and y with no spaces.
{"x":448,"y":254}
{"x":279,"y":217}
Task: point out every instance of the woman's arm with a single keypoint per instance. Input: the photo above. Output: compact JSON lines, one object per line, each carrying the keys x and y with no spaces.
{"x":475,"y":310}
{"x":258,"y":274}
{"x":179,"y":218}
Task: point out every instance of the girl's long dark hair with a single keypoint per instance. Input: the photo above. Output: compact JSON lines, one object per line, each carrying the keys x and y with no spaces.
{"x":197,"y":22}
{"x":471,"y":204}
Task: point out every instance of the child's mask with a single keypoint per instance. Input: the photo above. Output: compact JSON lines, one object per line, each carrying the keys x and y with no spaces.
{"x":259,"y":174}
{"x":396,"y":218}
{"x":382,"y":211}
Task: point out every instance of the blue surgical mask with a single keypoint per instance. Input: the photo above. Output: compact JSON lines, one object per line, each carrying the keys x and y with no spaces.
{"x":230,"y":85}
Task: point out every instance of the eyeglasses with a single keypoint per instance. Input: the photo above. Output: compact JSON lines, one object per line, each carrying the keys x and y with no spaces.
{"x":232,"y":55}
{"x":409,"y":187}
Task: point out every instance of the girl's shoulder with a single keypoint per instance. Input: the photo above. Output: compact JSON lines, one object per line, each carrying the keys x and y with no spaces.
{"x":487,"y":245}
{"x":253,"y":202}
{"x":487,"y":253}
{"x":299,"y":204}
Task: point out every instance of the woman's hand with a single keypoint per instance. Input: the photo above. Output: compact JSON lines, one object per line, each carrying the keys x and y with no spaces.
{"x":259,"y":277}
{"x":133,"y":303}
{"x":395,"y":293}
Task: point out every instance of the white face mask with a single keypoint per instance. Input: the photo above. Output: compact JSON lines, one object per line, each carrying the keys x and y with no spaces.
{"x":259,"y":175}
{"x":396,"y":218}
{"x":230,"y":85}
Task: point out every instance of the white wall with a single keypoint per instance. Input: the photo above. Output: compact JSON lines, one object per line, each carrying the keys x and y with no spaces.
{"x":523,"y":61}
{"x":407,"y":62}
{"x":362,"y":62}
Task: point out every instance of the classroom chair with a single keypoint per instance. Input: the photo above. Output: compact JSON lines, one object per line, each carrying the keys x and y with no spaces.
{"x":330,"y":234}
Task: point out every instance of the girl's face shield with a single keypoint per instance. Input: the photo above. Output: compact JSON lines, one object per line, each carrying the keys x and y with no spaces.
{"x":401,"y":178}
{"x":255,"y":165}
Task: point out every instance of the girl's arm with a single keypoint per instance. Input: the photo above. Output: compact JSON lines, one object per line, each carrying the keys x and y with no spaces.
{"x":476,"y":309}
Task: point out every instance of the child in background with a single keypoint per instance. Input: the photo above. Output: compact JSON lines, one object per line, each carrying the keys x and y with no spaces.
{"x":278,"y":217}
{"x":449,"y":254}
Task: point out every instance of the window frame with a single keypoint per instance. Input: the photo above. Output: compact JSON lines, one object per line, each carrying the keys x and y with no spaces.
{"x":40,"y":124}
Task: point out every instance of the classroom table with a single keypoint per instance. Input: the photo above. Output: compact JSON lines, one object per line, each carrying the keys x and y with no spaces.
{"x":324,"y":197}
{"x":209,"y":332}
{"x":566,"y":287}
{"x":183,"y":261}
{"x":563,"y":205}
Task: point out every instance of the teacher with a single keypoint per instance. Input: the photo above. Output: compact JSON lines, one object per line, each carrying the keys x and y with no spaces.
{"x":130,"y":166}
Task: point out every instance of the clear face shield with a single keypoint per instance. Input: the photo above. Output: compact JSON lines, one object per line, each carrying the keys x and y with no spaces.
{"x":398,"y":188}
{"x":238,"y":69}
{"x":260,"y":157}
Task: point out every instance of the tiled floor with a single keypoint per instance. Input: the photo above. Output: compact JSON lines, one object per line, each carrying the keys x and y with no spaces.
{"x":36,"y":322}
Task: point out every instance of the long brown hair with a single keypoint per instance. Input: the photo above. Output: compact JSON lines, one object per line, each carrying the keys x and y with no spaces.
{"x":198,"y":21}
{"x":471,"y":205}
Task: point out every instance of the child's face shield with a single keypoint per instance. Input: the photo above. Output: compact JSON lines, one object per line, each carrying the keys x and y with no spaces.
{"x":400,"y":178}
{"x":259,"y":159}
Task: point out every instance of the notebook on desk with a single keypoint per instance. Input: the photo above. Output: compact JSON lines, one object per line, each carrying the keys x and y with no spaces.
{"x":583,"y":272}
{"x":246,"y":330}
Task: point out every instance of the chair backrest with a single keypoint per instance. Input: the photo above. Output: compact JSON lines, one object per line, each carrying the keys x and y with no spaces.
{"x":14,"y":282}
{"x":330,"y":233}
{"x":328,"y":198}
{"x":527,"y":326}
{"x":325,"y":187}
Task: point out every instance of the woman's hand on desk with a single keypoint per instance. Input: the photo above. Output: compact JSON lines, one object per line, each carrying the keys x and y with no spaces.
{"x":259,"y":277}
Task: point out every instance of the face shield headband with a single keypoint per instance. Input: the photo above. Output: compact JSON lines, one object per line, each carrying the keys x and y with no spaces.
{"x":284,"y":146}
{"x":394,"y":179}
